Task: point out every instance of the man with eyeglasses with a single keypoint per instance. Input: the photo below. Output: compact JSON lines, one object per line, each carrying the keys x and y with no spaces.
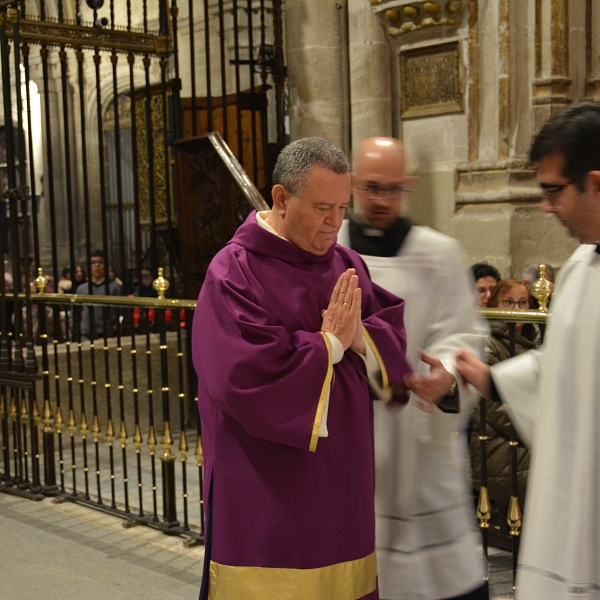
{"x":94,"y":327}
{"x":428,"y":546}
{"x":553,"y":394}
{"x":486,"y":277}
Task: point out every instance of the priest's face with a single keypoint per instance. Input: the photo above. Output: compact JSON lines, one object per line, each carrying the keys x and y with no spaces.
{"x":578,"y":211}
{"x":312,"y":220}
{"x":379,"y":181}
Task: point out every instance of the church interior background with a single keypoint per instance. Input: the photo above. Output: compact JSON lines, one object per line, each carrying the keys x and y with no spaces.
{"x":149,"y":128}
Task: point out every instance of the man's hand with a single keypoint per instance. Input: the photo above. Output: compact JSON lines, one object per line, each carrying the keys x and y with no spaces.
{"x":475,"y":372}
{"x":343,"y":313}
{"x":431,"y":387}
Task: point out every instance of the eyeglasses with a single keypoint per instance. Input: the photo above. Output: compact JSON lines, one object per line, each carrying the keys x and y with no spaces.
{"x":508,"y":303}
{"x":374,"y":191}
{"x":96,"y":262}
{"x":550,"y":191}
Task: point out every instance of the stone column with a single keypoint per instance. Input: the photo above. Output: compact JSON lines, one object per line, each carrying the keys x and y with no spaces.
{"x":551,"y":86}
{"x":317,"y":59}
{"x":370,"y":86}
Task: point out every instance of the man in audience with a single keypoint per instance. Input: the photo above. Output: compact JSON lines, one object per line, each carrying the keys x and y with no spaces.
{"x":428,"y":546}
{"x":486,"y":277}
{"x":552,"y":394}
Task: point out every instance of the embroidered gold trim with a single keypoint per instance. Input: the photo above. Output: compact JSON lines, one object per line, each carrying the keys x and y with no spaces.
{"x":385,"y":384}
{"x":342,"y":581}
{"x":314,"y":438}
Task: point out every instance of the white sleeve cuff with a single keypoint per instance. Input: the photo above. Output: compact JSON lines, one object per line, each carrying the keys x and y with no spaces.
{"x":337,"y":350}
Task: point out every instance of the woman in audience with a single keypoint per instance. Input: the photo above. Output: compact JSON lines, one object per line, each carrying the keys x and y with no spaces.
{"x":509,"y":294}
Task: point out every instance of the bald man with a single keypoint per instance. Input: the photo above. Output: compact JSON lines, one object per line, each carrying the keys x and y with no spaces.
{"x":428,"y":545}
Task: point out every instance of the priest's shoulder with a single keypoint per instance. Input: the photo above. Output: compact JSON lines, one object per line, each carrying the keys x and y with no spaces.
{"x":227,"y":260}
{"x":427,"y":239}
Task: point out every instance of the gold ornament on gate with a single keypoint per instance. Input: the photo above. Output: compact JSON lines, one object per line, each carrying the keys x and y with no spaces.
{"x":542,"y":289}
{"x":160,"y":284}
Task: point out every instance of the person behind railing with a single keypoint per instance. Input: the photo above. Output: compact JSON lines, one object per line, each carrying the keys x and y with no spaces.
{"x":287,"y":332}
{"x":79,"y":277}
{"x":96,"y":286}
{"x":486,"y":277}
{"x":509,"y":294}
{"x":65,"y":284}
{"x":554,"y":393}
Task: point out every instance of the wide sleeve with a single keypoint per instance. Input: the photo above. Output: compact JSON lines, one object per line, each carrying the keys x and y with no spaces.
{"x":385,"y":335}
{"x":517,"y":382}
{"x":274,"y":383}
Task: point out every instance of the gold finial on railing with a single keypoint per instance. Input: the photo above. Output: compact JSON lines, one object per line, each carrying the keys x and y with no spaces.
{"x":12,"y":409}
{"x":514,"y":516}
{"x":199,"y":454}
{"x":167,"y":441}
{"x":83,"y":426}
{"x":484,"y":508}
{"x":183,"y":447}
{"x":95,"y":428}
{"x":542,"y":289}
{"x":72,"y":423}
{"x":40,"y":281}
{"x":24,"y":411}
{"x":58,"y":420}
{"x":123,"y":435}
{"x":110,"y":432}
{"x":137,"y":438}
{"x":152,"y":440}
{"x":160,"y":284}
{"x":47,"y":417}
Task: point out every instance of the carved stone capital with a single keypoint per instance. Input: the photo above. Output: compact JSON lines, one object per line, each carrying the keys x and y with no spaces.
{"x":404,"y":16}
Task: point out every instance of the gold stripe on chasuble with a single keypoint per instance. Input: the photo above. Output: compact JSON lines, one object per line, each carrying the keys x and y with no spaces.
{"x":343,"y":581}
{"x":385,"y":384}
{"x":314,"y":438}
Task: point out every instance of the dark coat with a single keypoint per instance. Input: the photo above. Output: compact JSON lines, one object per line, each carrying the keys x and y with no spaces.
{"x":497,"y":423}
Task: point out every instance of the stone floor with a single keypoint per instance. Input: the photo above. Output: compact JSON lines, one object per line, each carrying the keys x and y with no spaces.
{"x":63,"y":551}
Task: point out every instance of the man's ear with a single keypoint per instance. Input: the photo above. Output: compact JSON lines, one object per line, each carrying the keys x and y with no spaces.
{"x":280,"y":197}
{"x":594,"y":179}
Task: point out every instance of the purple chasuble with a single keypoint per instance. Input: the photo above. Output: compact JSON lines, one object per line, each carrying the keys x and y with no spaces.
{"x":283,"y":498}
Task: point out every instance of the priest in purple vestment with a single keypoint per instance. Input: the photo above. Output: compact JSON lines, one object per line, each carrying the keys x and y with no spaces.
{"x":292,"y":342}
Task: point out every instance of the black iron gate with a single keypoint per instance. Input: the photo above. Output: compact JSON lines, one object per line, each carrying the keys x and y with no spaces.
{"x":95,"y":95}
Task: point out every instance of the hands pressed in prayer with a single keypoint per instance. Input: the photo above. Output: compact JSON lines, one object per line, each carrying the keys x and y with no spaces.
{"x":473,"y":371}
{"x":343,"y":315}
{"x":431,"y":387}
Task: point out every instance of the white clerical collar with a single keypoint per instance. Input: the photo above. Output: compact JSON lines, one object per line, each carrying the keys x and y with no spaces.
{"x":261,"y":219}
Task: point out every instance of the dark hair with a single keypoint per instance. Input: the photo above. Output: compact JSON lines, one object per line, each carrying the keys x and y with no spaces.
{"x":66,"y":271}
{"x":501,"y":288}
{"x":296,"y":159}
{"x":482,"y":269}
{"x":574,"y":133}
{"x":98,"y":252}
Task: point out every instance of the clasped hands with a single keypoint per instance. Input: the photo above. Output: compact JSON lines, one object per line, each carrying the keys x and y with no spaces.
{"x":342,"y":317}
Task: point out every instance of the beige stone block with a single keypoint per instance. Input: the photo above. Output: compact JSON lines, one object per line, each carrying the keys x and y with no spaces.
{"x":316,"y":74}
{"x":537,"y":237}
{"x":319,"y":118}
{"x":371,"y":117}
{"x":484,"y":232}
{"x":315,"y":23}
{"x":369,"y":70}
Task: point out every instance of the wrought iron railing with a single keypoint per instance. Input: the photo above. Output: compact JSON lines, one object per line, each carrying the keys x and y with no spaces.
{"x":110,"y":422}
{"x":505,"y":531}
